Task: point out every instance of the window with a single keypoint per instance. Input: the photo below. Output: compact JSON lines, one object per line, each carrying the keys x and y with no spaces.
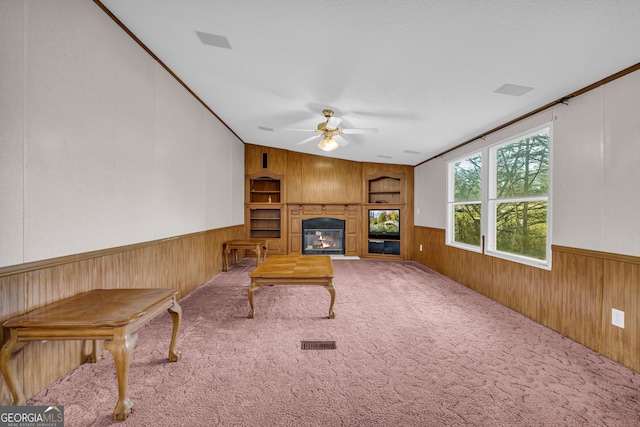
{"x":514,"y":212}
{"x":465,"y":202}
{"x":519,"y":199}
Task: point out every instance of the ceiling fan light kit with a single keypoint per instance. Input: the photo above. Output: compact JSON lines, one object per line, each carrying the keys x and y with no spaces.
{"x":328,"y":144}
{"x":330,"y":128}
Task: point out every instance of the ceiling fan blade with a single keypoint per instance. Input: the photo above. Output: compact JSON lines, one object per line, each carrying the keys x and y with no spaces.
{"x":309,"y":139}
{"x":333,"y":122}
{"x":359,"y":131}
{"x":300,"y":130}
{"x":399,"y":115}
{"x":341,"y":140}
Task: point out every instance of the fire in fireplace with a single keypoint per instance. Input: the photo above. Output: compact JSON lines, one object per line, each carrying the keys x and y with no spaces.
{"x":323,"y":236}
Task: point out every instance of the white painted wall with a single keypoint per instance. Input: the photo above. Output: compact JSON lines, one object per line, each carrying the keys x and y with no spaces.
{"x":430,"y":190}
{"x":99,"y":146}
{"x":11,"y":149}
{"x":596,"y":170}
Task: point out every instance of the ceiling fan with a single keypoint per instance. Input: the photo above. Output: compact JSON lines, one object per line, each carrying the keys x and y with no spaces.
{"x":329,"y":129}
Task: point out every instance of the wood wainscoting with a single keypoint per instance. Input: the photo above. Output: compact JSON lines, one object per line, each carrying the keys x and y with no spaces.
{"x":184,"y":263}
{"x":574,"y":299}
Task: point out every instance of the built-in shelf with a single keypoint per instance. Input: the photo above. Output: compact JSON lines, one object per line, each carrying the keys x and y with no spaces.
{"x":264,"y":210}
{"x":384,"y":247}
{"x":265,"y":223}
{"x":264,"y":190}
{"x":385,"y":189}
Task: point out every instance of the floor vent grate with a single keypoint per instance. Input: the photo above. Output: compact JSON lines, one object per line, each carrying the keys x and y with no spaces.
{"x":318,"y":345}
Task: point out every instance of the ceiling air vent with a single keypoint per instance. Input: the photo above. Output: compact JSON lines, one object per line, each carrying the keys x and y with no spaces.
{"x":213,"y":40}
{"x":513,"y":90}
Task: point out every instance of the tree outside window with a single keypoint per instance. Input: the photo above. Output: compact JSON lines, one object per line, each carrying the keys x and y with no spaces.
{"x":465,"y":200}
{"x":519,"y":196}
{"x":514,"y":210}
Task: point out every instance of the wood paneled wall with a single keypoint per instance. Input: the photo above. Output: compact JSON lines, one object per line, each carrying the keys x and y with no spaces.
{"x":313,"y":180}
{"x":276,"y":160}
{"x":575,"y":298}
{"x":318,"y":179}
{"x":184,"y":263}
{"x":309,"y":178}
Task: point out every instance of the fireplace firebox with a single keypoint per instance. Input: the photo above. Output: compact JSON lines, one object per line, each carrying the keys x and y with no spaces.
{"x":323,"y":236}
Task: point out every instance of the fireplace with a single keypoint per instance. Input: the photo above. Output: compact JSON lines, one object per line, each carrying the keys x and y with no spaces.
{"x":323,"y":236}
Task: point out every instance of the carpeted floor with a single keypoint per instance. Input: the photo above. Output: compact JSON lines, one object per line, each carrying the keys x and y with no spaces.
{"x":413,"y":348}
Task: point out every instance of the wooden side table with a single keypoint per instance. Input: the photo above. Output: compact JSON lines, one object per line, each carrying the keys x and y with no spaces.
{"x":256,"y":246}
{"x":112,"y":315}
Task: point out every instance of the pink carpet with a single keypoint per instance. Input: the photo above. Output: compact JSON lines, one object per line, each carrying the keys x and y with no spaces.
{"x":413,"y":349}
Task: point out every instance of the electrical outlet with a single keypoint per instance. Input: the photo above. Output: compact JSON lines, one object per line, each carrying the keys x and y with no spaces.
{"x":617,"y":318}
{"x":420,"y":248}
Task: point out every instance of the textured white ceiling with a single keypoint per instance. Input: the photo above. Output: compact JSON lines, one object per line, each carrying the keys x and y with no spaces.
{"x":422,"y":72}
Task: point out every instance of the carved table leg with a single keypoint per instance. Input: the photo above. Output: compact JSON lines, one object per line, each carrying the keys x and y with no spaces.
{"x":176,"y":314}
{"x":257,"y":251}
{"x":96,"y":353}
{"x":11,"y":346}
{"x":252,"y":289}
{"x":225,"y":259}
{"x":332,"y":291}
{"x":121,"y":347}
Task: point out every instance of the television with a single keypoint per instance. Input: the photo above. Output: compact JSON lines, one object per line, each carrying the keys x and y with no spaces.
{"x":384,"y":224}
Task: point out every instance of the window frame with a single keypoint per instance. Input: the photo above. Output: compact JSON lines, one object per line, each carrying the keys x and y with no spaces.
{"x":451,"y":203}
{"x":489,"y":201}
{"x":493,"y":201}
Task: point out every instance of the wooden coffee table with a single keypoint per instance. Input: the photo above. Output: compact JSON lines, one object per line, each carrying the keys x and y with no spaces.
{"x":294,"y":270}
{"x":112,"y":315}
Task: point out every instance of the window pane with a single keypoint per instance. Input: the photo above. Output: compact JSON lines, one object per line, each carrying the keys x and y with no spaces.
{"x":467,"y":179}
{"x":521,"y":228}
{"x":467,"y":224}
{"x":522,"y":168}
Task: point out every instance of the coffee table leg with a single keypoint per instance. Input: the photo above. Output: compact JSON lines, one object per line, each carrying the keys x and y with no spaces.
{"x":121,"y":347}
{"x":332,"y":291}
{"x":250,"y":292}
{"x":10,"y":347}
{"x":176,"y":314}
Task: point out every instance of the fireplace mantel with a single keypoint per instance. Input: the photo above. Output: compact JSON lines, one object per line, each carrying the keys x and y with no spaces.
{"x":344,"y":211}
{"x":333,"y":210}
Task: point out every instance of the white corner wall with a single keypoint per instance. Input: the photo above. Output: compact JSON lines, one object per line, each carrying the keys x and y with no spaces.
{"x":430,"y":193}
{"x":99,"y":146}
{"x":595,"y":170}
